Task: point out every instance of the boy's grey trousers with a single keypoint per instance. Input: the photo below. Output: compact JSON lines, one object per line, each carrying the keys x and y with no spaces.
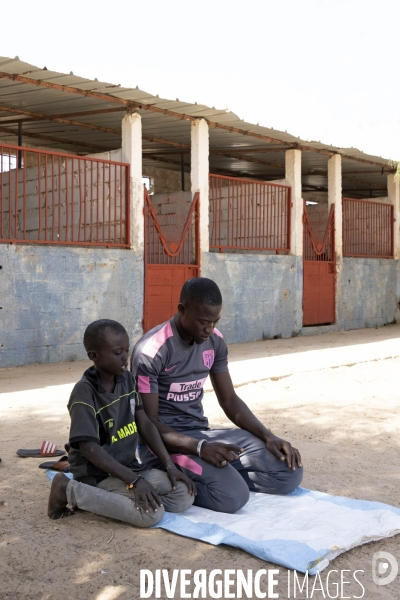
{"x":223,"y":489}
{"x":110,"y":498}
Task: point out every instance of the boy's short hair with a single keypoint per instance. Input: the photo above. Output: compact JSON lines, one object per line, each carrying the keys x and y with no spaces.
{"x":98,"y":331}
{"x":201,"y":290}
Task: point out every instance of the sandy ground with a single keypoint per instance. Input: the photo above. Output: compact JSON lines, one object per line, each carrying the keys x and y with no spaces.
{"x":344,"y":419}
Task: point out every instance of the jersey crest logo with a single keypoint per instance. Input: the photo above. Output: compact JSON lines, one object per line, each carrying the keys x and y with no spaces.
{"x":208,"y":358}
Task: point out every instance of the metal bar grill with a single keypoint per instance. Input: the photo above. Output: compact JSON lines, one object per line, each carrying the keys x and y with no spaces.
{"x":170,"y":237}
{"x":57,"y":198}
{"x":249,"y":215}
{"x":319,"y":231}
{"x":367,"y":229}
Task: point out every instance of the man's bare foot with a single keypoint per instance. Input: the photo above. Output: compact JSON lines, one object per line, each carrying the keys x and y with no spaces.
{"x":57,"y":508}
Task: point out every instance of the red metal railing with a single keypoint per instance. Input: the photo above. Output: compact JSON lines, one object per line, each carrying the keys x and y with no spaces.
{"x":249,"y":215}
{"x":171,"y":230}
{"x":367,"y":229}
{"x":319,"y":231}
{"x":55,"y":198}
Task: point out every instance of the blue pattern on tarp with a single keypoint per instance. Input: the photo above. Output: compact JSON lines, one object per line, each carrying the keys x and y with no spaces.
{"x":287,"y":553}
{"x":352,"y":502}
{"x":51,"y":474}
{"x":299,"y":491}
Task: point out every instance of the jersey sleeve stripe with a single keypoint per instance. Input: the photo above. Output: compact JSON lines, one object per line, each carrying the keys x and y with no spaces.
{"x":144,"y":384}
{"x":187,"y":463}
{"x":153,"y":345}
{"x":218,"y":333}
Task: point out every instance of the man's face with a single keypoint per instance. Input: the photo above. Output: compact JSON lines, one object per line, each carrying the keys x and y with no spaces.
{"x":199,"y":320}
{"x":112,"y":355}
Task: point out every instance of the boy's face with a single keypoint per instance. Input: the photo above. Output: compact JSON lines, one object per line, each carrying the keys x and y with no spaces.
{"x":199,"y":320}
{"x":112,"y":355}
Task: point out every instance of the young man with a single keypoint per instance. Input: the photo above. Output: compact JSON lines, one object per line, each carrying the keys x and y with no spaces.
{"x":110,"y":479}
{"x":171,"y":363}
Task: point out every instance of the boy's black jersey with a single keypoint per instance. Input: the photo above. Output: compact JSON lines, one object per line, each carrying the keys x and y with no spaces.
{"x":108,"y":419}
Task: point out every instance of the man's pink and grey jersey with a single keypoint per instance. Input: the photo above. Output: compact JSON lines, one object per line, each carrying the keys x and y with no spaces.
{"x":165,"y":365}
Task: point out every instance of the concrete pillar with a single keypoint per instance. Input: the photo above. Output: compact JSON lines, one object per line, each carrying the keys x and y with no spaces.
{"x":199,"y":176}
{"x":293,"y":178}
{"x":394,"y":198}
{"x":335,"y":197}
{"x":132,"y":154}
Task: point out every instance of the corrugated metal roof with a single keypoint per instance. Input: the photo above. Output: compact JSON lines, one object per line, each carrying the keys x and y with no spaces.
{"x":241,"y":149}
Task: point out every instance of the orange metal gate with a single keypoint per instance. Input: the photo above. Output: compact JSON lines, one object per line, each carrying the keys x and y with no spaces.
{"x":368,"y":228}
{"x":171,"y":236}
{"x":319,"y":265}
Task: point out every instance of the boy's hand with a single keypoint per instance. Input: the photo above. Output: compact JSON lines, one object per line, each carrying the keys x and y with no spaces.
{"x":219,"y":454}
{"x":145,"y":494}
{"x":175,"y":475}
{"x":283,"y":450}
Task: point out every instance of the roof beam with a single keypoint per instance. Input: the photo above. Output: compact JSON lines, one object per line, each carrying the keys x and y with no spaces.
{"x":255,"y":150}
{"x":61,"y":88}
{"x":316,"y":188}
{"x":98,"y":111}
{"x":365,"y":172}
{"x":269,"y":139}
{"x":155,"y":153}
{"x":216,"y":171}
{"x":157,"y":140}
{"x":40,"y":117}
{"x":185,"y":149}
{"x":369,"y":183}
{"x":345,"y":177}
{"x":160,"y":140}
{"x":356,"y":192}
{"x":49,"y":138}
{"x":386,"y":168}
{"x":295,"y":145}
{"x":262,"y":178}
{"x":312,"y":172}
{"x":247,"y":159}
{"x":61,"y":119}
{"x":167,"y":160}
{"x":132,"y":105}
{"x":83,"y":113}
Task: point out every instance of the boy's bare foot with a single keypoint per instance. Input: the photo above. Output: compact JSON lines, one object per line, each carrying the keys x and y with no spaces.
{"x":57,"y":508}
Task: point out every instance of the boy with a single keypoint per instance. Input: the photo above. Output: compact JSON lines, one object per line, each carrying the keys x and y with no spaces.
{"x":106,"y":417}
{"x":171,"y":363}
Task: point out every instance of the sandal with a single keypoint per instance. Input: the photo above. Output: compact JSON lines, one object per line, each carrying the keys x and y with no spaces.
{"x":46,"y":449}
{"x":56,"y":465}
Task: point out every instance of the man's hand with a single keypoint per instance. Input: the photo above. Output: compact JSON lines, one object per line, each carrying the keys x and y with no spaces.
{"x":145,"y":494}
{"x":283,"y":450}
{"x":219,"y":454}
{"x":175,"y":475}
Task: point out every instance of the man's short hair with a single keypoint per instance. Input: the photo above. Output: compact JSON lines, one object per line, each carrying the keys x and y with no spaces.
{"x":97,"y":332}
{"x":200,"y":290}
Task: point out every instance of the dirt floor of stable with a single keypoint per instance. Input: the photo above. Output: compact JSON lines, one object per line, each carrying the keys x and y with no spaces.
{"x":334,"y":396}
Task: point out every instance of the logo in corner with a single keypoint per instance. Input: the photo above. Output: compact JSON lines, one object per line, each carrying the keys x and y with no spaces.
{"x":380,"y":568}
{"x":208,"y":358}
